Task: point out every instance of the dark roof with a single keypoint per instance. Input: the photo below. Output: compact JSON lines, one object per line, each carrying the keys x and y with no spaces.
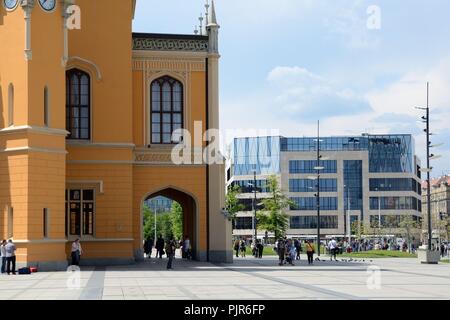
{"x":168,"y":36}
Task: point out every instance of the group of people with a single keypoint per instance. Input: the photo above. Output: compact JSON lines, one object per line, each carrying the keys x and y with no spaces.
{"x":168,"y":248}
{"x":240,"y":248}
{"x":289,"y":250}
{"x":8,"y":255}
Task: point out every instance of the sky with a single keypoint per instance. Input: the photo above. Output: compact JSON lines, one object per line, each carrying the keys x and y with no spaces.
{"x":358,"y":66}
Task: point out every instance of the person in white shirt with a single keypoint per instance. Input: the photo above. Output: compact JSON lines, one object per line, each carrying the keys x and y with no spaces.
{"x":187,"y":247}
{"x":76,"y":252}
{"x":332,"y":246}
{"x":3,"y":255}
{"x":10,"y":249}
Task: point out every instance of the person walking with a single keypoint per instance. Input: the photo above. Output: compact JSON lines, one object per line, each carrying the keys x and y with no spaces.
{"x":187,"y":247}
{"x":310,"y":250}
{"x":292,"y":253}
{"x":76,"y":252}
{"x":159,"y":247}
{"x":236,"y":248}
{"x":298,"y":248}
{"x":260,"y":248}
{"x":3,"y":255}
{"x":170,"y":251}
{"x":10,"y":249}
{"x":281,"y":249}
{"x":442,"y":250}
{"x":332,"y":246}
{"x":148,"y":245}
{"x":243,"y":249}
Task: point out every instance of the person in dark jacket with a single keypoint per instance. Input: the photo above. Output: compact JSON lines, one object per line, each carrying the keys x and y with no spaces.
{"x":148,"y":246}
{"x":281,"y":249}
{"x":170,"y":251}
{"x":159,"y":247}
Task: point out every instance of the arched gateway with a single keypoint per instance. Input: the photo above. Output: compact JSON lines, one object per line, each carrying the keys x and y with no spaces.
{"x":190,"y":219}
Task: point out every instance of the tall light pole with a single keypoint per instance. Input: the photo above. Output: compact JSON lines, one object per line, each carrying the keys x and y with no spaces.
{"x":349,"y":232}
{"x":318,"y":168}
{"x":155,"y":217}
{"x":254,"y":208}
{"x":426,"y":120}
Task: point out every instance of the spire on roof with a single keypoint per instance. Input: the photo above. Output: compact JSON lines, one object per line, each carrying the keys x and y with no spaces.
{"x":212,"y":15}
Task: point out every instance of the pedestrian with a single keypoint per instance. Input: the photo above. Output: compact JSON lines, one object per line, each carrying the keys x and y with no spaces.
{"x":254,"y":249}
{"x":310,"y":251}
{"x":159,"y":247}
{"x":332,"y":246}
{"x":187,"y":247}
{"x":448,"y":249}
{"x":148,"y":244}
{"x":442,"y":250}
{"x":170,"y":252}
{"x":76,"y":252}
{"x":243,"y":249}
{"x":292,"y":253}
{"x":281,"y":249}
{"x":3,"y":255}
{"x":236,"y":248}
{"x":298,"y":248}
{"x":260,"y":248}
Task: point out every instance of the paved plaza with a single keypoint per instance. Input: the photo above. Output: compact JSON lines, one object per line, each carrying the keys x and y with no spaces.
{"x":247,"y":278}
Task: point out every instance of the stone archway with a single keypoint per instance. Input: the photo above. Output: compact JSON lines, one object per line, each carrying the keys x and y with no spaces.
{"x":190,"y":213}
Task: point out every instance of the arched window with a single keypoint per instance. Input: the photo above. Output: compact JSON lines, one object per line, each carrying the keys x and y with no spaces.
{"x":10,"y":105}
{"x":46,"y":107}
{"x":166,"y":110}
{"x":78,"y":105}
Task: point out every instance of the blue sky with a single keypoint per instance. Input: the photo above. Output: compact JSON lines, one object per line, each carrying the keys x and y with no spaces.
{"x":287,"y":63}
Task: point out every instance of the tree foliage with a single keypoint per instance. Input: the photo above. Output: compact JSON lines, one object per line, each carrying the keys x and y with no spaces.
{"x":168,"y":224}
{"x":273,"y":217}
{"x":232,"y":204}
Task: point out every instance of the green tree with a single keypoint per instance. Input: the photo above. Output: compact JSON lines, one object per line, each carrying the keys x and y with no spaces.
{"x":232,"y":204}
{"x":176,"y":218}
{"x":273,"y":217}
{"x":358,"y":228}
{"x":410,"y":229}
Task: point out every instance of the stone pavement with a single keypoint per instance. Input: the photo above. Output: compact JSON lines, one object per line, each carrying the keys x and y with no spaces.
{"x":247,"y":278}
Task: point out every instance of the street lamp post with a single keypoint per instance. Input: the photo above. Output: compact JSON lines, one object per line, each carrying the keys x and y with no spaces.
{"x":318,"y":168}
{"x":426,"y":120}
{"x":349,"y":232}
{"x":254,"y":209}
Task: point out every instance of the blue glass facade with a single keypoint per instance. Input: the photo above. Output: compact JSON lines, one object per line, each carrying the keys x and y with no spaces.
{"x":327,"y":144}
{"x":246,"y":186}
{"x":310,"y":222}
{"x":307,"y":166}
{"x":395,"y":203}
{"x":306,"y":185}
{"x":395,"y":184}
{"x":310,"y":203}
{"x":353,"y":184}
{"x":259,"y":153}
{"x":391,"y":153}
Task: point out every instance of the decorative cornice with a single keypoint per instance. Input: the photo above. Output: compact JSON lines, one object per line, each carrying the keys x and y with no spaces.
{"x":170,"y":43}
{"x":33,"y":129}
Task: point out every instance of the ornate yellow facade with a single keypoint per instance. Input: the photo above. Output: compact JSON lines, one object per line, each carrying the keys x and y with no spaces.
{"x":83,"y":132}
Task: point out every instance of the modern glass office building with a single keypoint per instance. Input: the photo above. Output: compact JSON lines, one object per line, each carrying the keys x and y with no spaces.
{"x":366,"y":177}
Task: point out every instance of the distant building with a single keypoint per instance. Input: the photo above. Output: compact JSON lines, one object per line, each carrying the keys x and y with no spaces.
{"x":160,"y":204}
{"x":440,"y":199}
{"x":361,"y":174}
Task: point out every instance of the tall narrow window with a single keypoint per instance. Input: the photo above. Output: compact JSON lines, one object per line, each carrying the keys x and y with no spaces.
{"x":80,"y":206}
{"x":166,"y":110}
{"x":10,"y":222}
{"x":46,"y":108}
{"x":10,"y":105}
{"x":78,"y":105}
{"x":45,"y":222}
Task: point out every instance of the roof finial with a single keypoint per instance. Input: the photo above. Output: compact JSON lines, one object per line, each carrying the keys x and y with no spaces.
{"x":212,"y":15}
{"x":201,"y":24}
{"x":196,"y":30}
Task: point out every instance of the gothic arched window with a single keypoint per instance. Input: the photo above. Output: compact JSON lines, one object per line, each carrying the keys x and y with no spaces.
{"x":78,"y":105}
{"x":166,"y":110}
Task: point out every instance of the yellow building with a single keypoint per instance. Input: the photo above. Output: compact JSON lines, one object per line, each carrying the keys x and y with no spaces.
{"x":86,"y":122}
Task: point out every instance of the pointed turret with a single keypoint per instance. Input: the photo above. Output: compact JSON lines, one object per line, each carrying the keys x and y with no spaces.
{"x":213,"y":30}
{"x":212,"y":15}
